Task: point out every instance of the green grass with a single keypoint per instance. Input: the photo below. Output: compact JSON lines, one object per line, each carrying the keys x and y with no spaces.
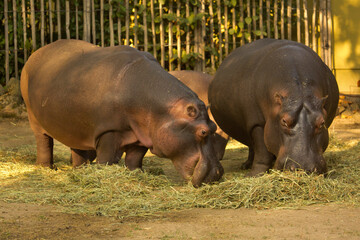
{"x":116,"y":191}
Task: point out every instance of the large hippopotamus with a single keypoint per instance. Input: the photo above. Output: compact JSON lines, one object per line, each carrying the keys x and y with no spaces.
{"x":113,"y":100}
{"x":278,"y":98}
{"x":199,"y":82}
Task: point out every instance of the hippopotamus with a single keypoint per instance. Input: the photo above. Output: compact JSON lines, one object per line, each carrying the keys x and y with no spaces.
{"x":199,"y":82}
{"x":112,"y":100}
{"x":278,"y":98}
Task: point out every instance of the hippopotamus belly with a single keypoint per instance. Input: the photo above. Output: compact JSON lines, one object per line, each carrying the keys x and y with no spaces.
{"x":278,"y":98}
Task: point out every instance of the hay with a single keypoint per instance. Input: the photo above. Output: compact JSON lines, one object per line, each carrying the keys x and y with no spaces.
{"x":116,"y":191}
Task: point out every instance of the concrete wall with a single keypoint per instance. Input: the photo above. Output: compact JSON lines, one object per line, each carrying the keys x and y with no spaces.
{"x":346,"y":20}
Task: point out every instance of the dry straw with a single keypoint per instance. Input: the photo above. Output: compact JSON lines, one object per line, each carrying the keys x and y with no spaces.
{"x":116,"y":191}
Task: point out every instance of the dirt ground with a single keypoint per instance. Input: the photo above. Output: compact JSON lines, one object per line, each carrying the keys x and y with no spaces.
{"x":29,"y":221}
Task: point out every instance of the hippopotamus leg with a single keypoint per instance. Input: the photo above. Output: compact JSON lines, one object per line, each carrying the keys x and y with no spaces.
{"x":134,"y":157}
{"x":79,"y":157}
{"x":247,"y":165}
{"x":107,"y":148}
{"x":263,"y":159}
{"x":44,"y":143}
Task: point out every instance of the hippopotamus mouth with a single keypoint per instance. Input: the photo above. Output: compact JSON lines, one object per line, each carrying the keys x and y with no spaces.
{"x":318,"y":166}
{"x":205,"y":169}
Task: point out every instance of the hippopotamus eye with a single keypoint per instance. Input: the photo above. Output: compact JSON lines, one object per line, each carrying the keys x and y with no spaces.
{"x":203,"y":132}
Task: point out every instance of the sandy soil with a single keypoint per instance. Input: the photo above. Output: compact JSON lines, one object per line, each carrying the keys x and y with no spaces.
{"x":29,"y":221}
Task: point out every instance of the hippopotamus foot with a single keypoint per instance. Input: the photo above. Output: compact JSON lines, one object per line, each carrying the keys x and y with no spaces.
{"x":134,"y":157}
{"x":80,"y":157}
{"x":263,"y":159}
{"x":247,"y":165}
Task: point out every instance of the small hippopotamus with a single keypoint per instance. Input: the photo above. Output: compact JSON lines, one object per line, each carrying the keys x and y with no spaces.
{"x":278,"y":98}
{"x":105,"y":101}
{"x":199,"y":82}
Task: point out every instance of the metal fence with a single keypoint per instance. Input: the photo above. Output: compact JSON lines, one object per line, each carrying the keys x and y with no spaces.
{"x":191,"y":34}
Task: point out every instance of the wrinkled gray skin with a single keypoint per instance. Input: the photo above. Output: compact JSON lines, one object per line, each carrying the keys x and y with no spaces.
{"x":278,"y":98}
{"x":199,"y":82}
{"x":114,"y":100}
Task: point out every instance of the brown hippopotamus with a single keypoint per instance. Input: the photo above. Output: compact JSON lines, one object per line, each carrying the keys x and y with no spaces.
{"x":199,"y":82}
{"x":278,"y":98}
{"x":116,"y":99}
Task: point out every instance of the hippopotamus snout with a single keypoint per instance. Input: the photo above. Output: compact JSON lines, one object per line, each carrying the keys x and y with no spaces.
{"x":207,"y":172}
{"x":208,"y":168}
{"x":310,"y":164}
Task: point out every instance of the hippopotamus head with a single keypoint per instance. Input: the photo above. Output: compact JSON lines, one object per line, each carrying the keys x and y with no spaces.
{"x":184,"y":136}
{"x":296,"y":132}
{"x":199,"y":83}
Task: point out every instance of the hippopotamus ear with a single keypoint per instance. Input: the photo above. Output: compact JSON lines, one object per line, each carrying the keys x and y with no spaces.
{"x":191,"y":111}
{"x":323,"y":99}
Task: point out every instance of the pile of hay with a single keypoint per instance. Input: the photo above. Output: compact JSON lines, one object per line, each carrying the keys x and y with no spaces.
{"x":116,"y":191}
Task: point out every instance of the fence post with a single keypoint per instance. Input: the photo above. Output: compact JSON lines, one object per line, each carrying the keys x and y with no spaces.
{"x":219,"y":29}
{"x":268,"y":18}
{"x":58,"y":8}
{"x":313,"y":27}
{"x":178,"y":35}
{"x":329,"y":29}
{"x":111,"y":23}
{"x":153,"y":28}
{"x":323,"y":35}
{"x":289,"y":10}
{"x":306,"y":22}
{"x":6,"y":23}
{"x":93,"y":21}
{"x":170,"y":36}
{"x":24,"y":28}
{"x":135,"y":29}
{"x":261,"y":20}
{"x":33,"y":30}
{"x":282,"y":19}
{"x":276,"y":31}
{"x":187,"y":14}
{"x":233,"y":11}
{"x":241,"y":6}
{"x":248,"y":14}
{"x":162,"y":41}
{"x":127,"y":24}
{"x":15,"y":40}
{"x":226,"y":28}
{"x":67,"y":19}
{"x":298,"y":18}
{"x":203,"y":33}
{"x":84,"y":21}
{"x":212,"y":57}
{"x":102,"y":22}
{"x":119,"y":28}
{"x":42,"y":23}
{"x":51,"y":20}
{"x":145,"y":27}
